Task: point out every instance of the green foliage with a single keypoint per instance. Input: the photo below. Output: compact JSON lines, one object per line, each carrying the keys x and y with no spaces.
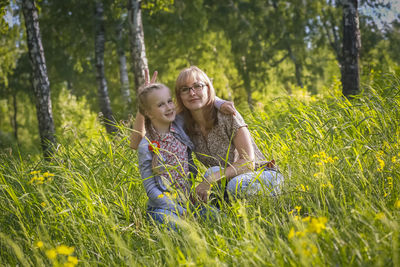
{"x":3,"y":10}
{"x":340,"y":203}
{"x":73,"y":118}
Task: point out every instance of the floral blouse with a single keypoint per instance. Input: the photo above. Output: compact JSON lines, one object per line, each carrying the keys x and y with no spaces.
{"x":174,"y":154}
{"x":217,"y":146}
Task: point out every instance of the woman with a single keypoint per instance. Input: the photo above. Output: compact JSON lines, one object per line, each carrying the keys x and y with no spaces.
{"x":222,"y":142}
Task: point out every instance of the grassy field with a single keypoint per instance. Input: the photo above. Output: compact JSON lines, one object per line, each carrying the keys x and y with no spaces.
{"x":340,"y":204}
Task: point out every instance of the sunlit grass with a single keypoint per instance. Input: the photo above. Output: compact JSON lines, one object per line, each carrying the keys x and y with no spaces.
{"x":340,"y":203}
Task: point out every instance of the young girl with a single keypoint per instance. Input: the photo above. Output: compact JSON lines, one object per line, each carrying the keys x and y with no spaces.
{"x":165,"y":160}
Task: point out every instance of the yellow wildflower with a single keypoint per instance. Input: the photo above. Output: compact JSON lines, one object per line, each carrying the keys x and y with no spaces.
{"x":327,"y":185}
{"x":323,"y":154}
{"x":167,"y":194}
{"x":335,"y":158}
{"x":317,"y":225}
{"x":379,"y":216}
{"x":397,"y":204}
{"x":63,"y":249}
{"x":381,"y":165}
{"x":300,"y":234}
{"x":35,"y":172}
{"x":47,"y":174}
{"x":319,"y":163}
{"x":291,"y":212}
{"x":43,"y":204}
{"x":160,"y":196}
{"x":309,"y":248}
{"x":315,"y":156}
{"x":291,"y":233}
{"x":306,"y":219}
{"x":304,"y":188}
{"x":39,"y":244}
{"x":394,"y":159}
{"x":390,"y":182}
{"x":51,"y":254}
{"x":298,"y":208}
{"x":73,"y":260}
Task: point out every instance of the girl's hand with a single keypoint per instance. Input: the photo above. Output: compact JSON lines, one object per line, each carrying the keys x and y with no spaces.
{"x":147,"y":77}
{"x":202,"y":190}
{"x":228,"y":108}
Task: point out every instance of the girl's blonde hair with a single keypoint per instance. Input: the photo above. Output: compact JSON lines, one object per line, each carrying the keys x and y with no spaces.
{"x":191,"y":74}
{"x":143,"y":93}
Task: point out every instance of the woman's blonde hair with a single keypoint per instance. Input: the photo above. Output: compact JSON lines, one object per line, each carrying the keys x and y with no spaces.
{"x":191,"y":74}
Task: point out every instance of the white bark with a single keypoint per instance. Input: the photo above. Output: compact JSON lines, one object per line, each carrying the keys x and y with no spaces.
{"x":41,"y":84}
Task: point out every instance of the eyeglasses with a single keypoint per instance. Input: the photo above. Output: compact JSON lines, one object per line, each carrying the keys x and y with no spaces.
{"x":197,"y":87}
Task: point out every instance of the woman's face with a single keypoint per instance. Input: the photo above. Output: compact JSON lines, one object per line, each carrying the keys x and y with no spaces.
{"x":194,"y":94}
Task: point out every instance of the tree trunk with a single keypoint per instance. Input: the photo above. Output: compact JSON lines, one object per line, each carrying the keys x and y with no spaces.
{"x":297,"y":66}
{"x":104,"y":100}
{"x":138,"y":49}
{"x":41,"y":84}
{"x":123,"y":71}
{"x":351,"y":48}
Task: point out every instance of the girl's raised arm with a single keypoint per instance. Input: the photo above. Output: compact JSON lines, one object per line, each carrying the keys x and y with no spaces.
{"x":138,"y":127}
{"x":138,"y":131}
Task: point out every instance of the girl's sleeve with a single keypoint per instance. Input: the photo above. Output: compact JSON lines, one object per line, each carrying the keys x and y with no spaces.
{"x":218,"y":102}
{"x":156,"y":196}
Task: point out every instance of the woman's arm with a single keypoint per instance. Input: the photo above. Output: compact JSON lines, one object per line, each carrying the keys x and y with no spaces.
{"x":245,"y":163}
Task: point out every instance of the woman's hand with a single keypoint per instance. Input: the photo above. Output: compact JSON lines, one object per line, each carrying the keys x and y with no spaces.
{"x":228,"y":108}
{"x":202,"y":191}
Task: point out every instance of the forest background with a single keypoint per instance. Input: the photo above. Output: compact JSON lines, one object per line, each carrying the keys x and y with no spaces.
{"x":254,"y":51}
{"x":279,"y":61}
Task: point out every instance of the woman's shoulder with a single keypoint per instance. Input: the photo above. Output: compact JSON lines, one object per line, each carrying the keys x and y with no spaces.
{"x":229,"y":118}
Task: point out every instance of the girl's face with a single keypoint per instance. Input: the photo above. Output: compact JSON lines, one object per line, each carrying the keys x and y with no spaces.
{"x":160,"y":107}
{"x":194,"y":94}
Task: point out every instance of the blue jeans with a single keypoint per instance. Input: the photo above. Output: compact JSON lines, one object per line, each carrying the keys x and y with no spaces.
{"x":248,"y":184}
{"x":169,"y":217}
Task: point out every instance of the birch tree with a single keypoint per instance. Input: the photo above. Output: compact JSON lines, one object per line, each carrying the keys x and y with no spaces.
{"x":104,"y":100}
{"x":123,"y":69}
{"x":41,"y":84}
{"x":138,"y":50}
{"x":351,"y":48}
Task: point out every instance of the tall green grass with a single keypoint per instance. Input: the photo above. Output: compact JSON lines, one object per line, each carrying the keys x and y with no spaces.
{"x":340,"y":203}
